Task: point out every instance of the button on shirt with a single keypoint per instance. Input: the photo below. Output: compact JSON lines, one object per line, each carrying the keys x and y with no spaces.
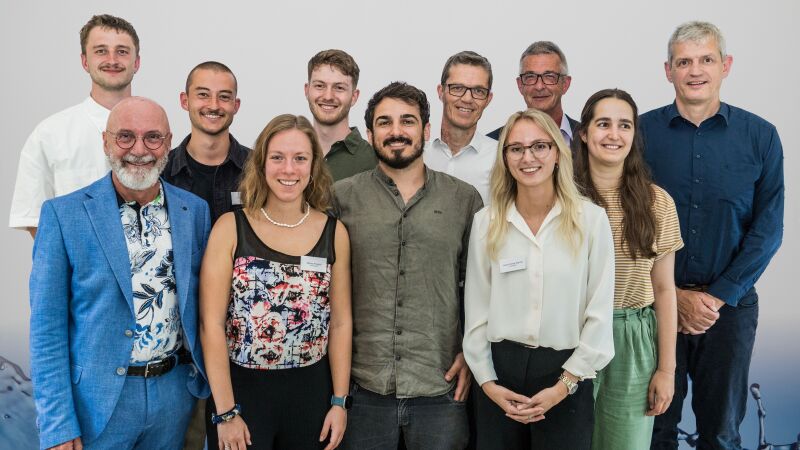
{"x":472,"y":163}
{"x":540,"y":293}
{"x":726,"y":177}
{"x":350,"y":156}
{"x":148,"y":237}
{"x":63,"y":153}
{"x":407,"y":260}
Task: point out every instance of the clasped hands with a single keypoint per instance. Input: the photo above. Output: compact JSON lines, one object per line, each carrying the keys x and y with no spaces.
{"x":697,"y":311}
{"x":525,"y":409}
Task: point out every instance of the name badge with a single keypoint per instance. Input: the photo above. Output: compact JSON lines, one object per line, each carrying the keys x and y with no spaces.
{"x":313,"y":264}
{"x":512,"y":264}
{"x":236,"y":198}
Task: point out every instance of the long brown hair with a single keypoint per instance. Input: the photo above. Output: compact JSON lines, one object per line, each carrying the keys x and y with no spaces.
{"x":253,"y":187}
{"x":635,"y":189}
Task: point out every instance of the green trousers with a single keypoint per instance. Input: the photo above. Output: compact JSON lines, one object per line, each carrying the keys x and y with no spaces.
{"x":620,"y":390}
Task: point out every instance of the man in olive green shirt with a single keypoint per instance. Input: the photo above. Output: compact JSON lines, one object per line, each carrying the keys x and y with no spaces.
{"x":409,"y":232}
{"x":331,"y":92}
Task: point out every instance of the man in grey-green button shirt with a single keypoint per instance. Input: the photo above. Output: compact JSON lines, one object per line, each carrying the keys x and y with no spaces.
{"x":409,"y":232}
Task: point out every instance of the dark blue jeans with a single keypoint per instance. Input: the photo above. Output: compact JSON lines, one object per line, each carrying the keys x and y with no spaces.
{"x":718,"y":363}
{"x":427,"y":423}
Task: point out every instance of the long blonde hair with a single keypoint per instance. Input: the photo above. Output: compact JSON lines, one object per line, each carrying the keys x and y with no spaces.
{"x":253,"y":187}
{"x":503,"y":187}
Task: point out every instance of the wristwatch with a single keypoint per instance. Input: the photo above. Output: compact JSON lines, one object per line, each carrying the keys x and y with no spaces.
{"x":345,"y":402}
{"x":572,"y":386}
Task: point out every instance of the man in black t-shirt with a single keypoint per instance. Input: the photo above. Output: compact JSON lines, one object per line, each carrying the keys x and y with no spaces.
{"x":209,"y":161}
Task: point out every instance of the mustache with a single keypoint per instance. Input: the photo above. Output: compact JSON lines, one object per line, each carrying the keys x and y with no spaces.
{"x":218,"y":112}
{"x":396,"y":139}
{"x":139,"y":159}
{"x":113,"y":66}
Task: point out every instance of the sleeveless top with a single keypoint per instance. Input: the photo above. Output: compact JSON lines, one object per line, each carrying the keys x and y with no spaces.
{"x":279,"y":314}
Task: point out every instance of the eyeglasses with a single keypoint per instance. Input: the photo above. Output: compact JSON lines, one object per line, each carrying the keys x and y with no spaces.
{"x":539,"y":150}
{"x":126,"y":140}
{"x":458,"y":90}
{"x":548,"y":78}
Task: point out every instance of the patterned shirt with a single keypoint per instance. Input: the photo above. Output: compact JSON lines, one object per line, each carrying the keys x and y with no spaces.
{"x":633,"y":287}
{"x":149,"y":240}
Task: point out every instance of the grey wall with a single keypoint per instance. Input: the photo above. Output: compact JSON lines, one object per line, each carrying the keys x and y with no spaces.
{"x":608,"y":44}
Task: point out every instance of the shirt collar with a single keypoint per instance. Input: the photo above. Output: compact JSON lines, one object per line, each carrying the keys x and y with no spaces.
{"x":673,"y":113}
{"x":515,"y":218}
{"x":388,"y":181}
{"x":159,"y":201}
{"x":474,"y":143}
{"x":237,"y":154}
{"x":97,"y":113}
{"x":352,"y":140}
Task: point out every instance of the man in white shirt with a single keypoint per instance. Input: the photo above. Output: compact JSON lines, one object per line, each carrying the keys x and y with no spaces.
{"x":465,"y":91}
{"x":543,"y":79}
{"x":65,"y":151}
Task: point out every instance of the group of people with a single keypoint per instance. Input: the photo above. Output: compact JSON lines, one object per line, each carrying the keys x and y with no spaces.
{"x":323,"y":290}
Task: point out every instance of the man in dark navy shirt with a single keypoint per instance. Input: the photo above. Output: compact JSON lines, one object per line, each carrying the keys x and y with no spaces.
{"x":209,"y":161}
{"x":724,"y":168}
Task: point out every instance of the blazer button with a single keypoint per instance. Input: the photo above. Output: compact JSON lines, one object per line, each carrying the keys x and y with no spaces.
{"x":121,"y":371}
{"x":128,"y":333}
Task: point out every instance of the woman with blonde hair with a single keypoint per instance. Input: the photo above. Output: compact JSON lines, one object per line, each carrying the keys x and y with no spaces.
{"x":539,"y":291}
{"x":275,"y":319}
{"x":609,"y":166}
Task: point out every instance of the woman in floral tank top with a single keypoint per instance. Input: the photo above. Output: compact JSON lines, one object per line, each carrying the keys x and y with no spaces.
{"x":276,"y":323}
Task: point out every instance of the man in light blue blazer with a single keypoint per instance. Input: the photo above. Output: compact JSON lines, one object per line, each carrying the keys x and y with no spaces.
{"x":115,"y":353}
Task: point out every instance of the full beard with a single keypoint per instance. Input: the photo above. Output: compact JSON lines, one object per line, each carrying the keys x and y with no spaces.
{"x":395,"y":159}
{"x":136,"y":178}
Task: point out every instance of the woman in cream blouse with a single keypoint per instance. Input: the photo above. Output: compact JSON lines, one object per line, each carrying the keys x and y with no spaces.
{"x":539,"y":295}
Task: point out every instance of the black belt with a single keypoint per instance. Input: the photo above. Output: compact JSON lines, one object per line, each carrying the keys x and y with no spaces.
{"x":160,"y":367}
{"x":694,"y":287}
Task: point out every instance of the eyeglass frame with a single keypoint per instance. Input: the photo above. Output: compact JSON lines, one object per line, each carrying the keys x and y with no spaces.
{"x":161,"y":137}
{"x":537,"y":76}
{"x":471,"y":90}
{"x":529,"y":149}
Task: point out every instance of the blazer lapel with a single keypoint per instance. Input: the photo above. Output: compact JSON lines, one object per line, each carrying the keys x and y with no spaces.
{"x":104,"y":215}
{"x":182,"y":238}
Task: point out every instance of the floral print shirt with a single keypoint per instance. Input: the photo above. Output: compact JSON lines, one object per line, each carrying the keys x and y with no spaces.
{"x":149,"y":240}
{"x":279,"y":314}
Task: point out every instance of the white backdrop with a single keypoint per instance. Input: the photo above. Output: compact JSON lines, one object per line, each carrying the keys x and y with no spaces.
{"x":608,"y":44}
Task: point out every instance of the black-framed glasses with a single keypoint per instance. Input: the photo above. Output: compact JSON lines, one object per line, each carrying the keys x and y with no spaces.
{"x":458,"y":90}
{"x":548,"y":78}
{"x":539,"y":149}
{"x":126,"y":139}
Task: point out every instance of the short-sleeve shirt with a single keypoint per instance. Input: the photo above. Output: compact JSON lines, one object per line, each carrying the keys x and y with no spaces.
{"x":633,"y":287}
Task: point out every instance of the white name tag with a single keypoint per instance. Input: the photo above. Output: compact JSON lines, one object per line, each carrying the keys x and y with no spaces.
{"x":512,"y":264}
{"x":313,"y":264}
{"x":236,"y":199}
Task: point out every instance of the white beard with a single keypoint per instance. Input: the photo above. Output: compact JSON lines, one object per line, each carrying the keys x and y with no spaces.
{"x":135,"y":178}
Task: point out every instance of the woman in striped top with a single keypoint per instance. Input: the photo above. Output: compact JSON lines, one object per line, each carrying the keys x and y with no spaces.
{"x":638,"y":384}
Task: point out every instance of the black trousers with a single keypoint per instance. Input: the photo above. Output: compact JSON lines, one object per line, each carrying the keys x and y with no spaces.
{"x":283,"y":408}
{"x":718,"y":363}
{"x":568,"y":425}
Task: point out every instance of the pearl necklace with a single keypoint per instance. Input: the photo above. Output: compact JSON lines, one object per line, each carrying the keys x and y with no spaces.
{"x":286,"y":225}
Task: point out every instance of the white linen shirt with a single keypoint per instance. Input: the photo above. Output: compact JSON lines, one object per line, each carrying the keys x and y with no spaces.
{"x":63,"y":153}
{"x":554,"y":299}
{"x":472,"y":164}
